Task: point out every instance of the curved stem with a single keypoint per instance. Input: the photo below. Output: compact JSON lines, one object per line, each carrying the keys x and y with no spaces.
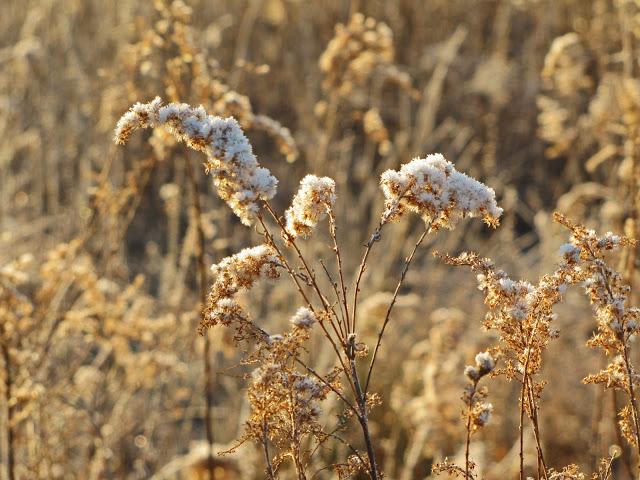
{"x":292,"y":274}
{"x":387,"y":317}
{"x":375,"y":237}
{"x":312,"y":277}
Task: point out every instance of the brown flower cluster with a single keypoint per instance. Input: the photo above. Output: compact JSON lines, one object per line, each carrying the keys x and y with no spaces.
{"x":285,"y":401}
{"x":354,"y":53}
{"x":617,"y":321}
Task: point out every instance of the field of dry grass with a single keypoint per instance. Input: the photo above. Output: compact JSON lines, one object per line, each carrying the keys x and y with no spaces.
{"x":304,"y":291}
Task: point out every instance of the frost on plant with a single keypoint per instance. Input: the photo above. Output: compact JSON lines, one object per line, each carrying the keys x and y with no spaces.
{"x":432,"y":188}
{"x":315,"y":197}
{"x":303,"y":318}
{"x":238,"y":177}
{"x":232,"y":274}
{"x":285,"y":402}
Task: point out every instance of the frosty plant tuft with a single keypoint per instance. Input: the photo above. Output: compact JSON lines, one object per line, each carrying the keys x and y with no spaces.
{"x":285,"y":391}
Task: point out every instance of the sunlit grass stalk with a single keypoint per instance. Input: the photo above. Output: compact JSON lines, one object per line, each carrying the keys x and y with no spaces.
{"x":9,"y":429}
{"x":202,"y":285}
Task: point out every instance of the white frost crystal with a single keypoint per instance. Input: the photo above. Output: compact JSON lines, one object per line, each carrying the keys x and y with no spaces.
{"x":310,"y":204}
{"x":238,"y":177}
{"x":435,"y":190}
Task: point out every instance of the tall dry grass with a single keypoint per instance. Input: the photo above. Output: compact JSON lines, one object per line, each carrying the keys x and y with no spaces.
{"x":354,"y":360}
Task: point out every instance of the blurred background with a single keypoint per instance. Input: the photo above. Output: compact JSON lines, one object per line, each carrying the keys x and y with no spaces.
{"x":103,"y":371}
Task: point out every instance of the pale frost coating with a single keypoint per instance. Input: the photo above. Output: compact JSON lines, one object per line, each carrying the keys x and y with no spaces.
{"x":243,"y":269}
{"x":485,"y":410}
{"x":310,"y":204}
{"x":485,"y":362}
{"x":303,"y":318}
{"x":238,"y":177}
{"x":235,"y":273}
{"x":484,"y":365}
{"x":435,"y":190}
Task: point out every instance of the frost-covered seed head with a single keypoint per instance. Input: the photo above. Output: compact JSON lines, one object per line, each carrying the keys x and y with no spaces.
{"x":471,"y":373}
{"x":484,"y":414}
{"x":239,"y":179}
{"x":432,"y":188}
{"x":235,"y":273}
{"x":315,"y":197}
{"x":485,"y":363}
{"x":303,"y":318}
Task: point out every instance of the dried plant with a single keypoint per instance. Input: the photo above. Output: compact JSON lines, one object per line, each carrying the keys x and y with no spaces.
{"x":430,"y":187}
{"x":333,"y":345}
{"x":477,"y":414}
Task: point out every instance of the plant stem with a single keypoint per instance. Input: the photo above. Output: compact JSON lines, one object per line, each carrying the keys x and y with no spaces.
{"x":387,"y":317}
{"x":364,"y":421}
{"x":8,"y":387}
{"x":533,"y":409}
{"x":202,"y":272}
{"x":336,"y":248}
{"x":632,"y":395}
{"x":466,"y":451}
{"x":521,"y":427}
{"x":265,"y":445}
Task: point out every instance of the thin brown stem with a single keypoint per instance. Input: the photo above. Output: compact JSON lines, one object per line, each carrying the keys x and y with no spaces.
{"x":286,"y":264}
{"x":292,"y":274}
{"x":361,"y":269}
{"x":387,"y":317}
{"x":364,"y":421}
{"x":521,"y":428}
{"x":206,"y":357}
{"x":632,"y":395}
{"x":334,"y":286}
{"x":468,"y":443}
{"x":375,"y":237}
{"x":8,"y":392}
{"x":533,"y":410}
{"x":295,"y":436}
{"x":336,"y":249}
{"x":265,"y":449}
{"x":312,"y":277}
{"x":527,"y":387}
{"x":344,"y":442}
{"x":334,"y":389}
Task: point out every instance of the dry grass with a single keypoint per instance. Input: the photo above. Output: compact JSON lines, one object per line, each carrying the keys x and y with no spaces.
{"x":332,"y":343}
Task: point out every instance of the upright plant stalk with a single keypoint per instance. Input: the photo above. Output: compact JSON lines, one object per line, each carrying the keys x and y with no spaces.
{"x":265,"y":448}
{"x":364,"y":419}
{"x":387,"y":317}
{"x":246,"y":186}
{"x":468,"y":442}
{"x":202,"y":273}
{"x":8,"y":387}
{"x":527,"y":389}
{"x":349,"y":348}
